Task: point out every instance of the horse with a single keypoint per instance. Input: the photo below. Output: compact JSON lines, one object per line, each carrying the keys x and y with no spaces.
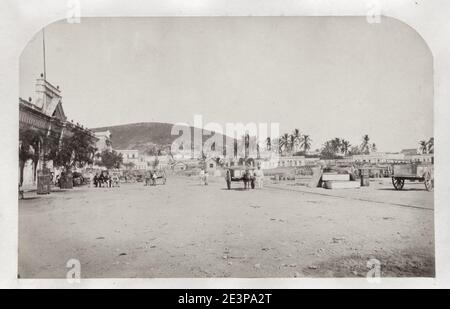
{"x":247,"y":178}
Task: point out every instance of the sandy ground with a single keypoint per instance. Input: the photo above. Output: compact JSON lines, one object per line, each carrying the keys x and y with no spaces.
{"x":183,"y":229}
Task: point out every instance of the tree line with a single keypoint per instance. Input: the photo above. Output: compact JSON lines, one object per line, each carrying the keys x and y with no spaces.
{"x":71,"y":151}
{"x":296,"y":143}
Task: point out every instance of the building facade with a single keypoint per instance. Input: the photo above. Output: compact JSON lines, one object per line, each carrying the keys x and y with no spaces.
{"x":103,"y":141}
{"x":378,"y":158}
{"x":129,"y":155}
{"x":291,"y":161}
{"x":421,"y":158}
{"x":44,"y":115}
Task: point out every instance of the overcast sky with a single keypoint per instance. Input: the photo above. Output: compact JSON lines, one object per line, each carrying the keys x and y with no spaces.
{"x":327,"y":76}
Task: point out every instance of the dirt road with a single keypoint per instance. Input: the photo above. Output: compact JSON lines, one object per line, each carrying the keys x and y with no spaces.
{"x":183,"y":229}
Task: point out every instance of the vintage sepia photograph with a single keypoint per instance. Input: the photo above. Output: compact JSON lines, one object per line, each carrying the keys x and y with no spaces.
{"x":226,"y":147}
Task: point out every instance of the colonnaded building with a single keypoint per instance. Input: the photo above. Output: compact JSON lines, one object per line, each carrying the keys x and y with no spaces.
{"x":45,"y":114}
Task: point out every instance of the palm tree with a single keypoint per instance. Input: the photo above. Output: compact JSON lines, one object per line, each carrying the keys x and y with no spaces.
{"x":430,"y":145}
{"x":296,"y":138}
{"x":305,"y":142}
{"x":336,"y":145}
{"x":284,"y":143}
{"x":328,"y":151}
{"x":345,"y":146}
{"x":365,"y":148}
{"x":246,"y":145}
{"x":291,"y":143}
{"x":268,"y":144}
{"x":423,"y":147}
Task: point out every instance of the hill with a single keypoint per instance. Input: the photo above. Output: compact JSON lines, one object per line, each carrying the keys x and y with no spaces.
{"x":147,"y":137}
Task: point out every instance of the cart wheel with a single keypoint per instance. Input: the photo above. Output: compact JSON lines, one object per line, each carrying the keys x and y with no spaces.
{"x":398,"y":183}
{"x":228,"y":184}
{"x":429,"y":182}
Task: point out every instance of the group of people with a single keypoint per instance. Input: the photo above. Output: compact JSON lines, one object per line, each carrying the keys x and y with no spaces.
{"x":255,"y":178}
{"x":104,"y":179}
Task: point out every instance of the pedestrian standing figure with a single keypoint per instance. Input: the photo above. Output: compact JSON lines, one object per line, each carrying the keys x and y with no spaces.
{"x":91,"y":179}
{"x":202,"y":176}
{"x":108,"y":180}
{"x":148,"y":178}
{"x":115,"y":181}
{"x":259,"y":175}
{"x":154,"y":177}
{"x":95,"y":180}
{"x":205,"y":178}
{"x":20,"y":192}
{"x":247,"y":179}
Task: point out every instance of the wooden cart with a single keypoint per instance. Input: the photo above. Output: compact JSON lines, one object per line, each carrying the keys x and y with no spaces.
{"x":152,"y":176}
{"x":240,"y":173}
{"x":413,"y":172}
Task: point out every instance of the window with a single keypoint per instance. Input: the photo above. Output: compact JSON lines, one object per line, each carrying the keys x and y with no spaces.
{"x":211,"y":165}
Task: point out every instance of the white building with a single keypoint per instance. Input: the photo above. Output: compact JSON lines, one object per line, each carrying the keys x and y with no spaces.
{"x":312,"y":161}
{"x":378,"y":157}
{"x":104,"y":141}
{"x":211,"y":165}
{"x":421,"y":158}
{"x":268,"y":163}
{"x":291,"y":161}
{"x":132,"y":156}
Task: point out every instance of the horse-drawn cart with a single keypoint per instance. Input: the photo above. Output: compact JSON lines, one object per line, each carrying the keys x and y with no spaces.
{"x":240,"y":173}
{"x":413,"y":172}
{"x":151,"y":177}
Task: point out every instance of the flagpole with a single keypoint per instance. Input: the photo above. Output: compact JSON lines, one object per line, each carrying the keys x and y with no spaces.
{"x":43,"y":49}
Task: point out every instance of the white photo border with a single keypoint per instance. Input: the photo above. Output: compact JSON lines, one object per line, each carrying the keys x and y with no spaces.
{"x":21,"y":20}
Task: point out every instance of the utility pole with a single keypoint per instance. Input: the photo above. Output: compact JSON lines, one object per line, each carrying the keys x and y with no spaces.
{"x":43,"y":49}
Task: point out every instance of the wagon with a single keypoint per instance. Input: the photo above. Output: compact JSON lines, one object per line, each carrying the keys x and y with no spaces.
{"x":240,"y":173}
{"x":413,"y":172}
{"x":152,"y":177}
